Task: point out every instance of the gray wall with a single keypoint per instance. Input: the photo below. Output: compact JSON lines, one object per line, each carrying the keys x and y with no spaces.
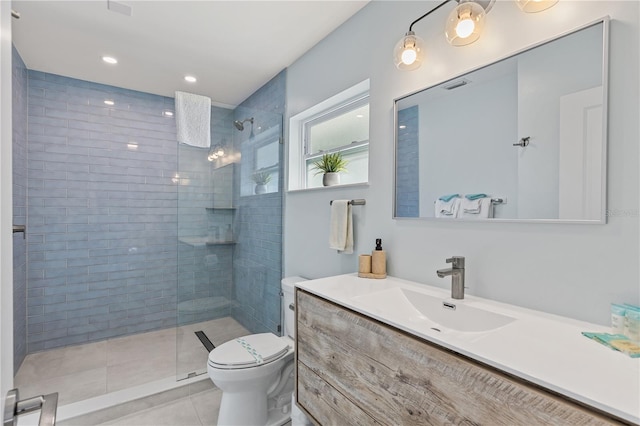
{"x":466,"y":149}
{"x":571,"y":270}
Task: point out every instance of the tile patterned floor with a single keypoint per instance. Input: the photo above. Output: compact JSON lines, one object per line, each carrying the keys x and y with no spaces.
{"x":85,"y":371}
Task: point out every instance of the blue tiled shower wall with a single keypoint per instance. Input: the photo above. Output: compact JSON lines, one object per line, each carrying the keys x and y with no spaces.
{"x":257,"y":261}
{"x":19,"y":146}
{"x":102,"y":211}
{"x":408,"y":187}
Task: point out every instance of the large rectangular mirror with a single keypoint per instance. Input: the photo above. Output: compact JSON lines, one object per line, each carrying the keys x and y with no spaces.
{"x":522,"y":139}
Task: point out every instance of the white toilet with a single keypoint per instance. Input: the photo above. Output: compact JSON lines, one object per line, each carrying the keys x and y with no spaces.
{"x":255,"y":372}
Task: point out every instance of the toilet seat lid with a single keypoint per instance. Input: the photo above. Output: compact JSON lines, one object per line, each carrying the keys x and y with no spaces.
{"x":248,"y":351}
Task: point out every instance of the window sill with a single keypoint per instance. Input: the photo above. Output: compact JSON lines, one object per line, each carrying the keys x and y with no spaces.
{"x":324,"y":188}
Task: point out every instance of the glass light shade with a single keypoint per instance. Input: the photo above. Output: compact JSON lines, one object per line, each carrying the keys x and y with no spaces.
{"x":465,"y":23}
{"x":532,"y":6}
{"x":409,"y":52}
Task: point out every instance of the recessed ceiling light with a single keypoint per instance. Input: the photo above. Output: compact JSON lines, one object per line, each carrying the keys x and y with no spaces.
{"x":132,"y":146}
{"x":359,"y":116}
{"x":190,"y":78}
{"x":110,"y":60}
{"x":167,"y":113}
{"x":109,"y":102}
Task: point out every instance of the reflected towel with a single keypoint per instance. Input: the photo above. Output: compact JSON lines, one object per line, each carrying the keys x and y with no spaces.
{"x":341,"y":227}
{"x":474,"y":196}
{"x":481,"y":208}
{"x":471,"y":206}
{"x":447,"y":208}
{"x":447,"y":198}
{"x":193,"y":119}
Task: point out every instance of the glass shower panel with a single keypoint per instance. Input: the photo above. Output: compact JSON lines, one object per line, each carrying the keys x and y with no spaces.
{"x":229,"y":236}
{"x":205,"y":247}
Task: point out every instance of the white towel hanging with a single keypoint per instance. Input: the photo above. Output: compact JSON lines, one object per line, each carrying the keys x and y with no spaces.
{"x":341,"y":227}
{"x":193,"y":119}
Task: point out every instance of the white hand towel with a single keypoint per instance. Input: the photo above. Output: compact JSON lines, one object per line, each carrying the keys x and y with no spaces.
{"x":193,"y":119}
{"x":477,"y":209}
{"x":447,"y":208}
{"x":341,"y":227}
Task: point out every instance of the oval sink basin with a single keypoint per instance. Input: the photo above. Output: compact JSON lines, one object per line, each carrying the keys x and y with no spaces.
{"x":443,"y":314}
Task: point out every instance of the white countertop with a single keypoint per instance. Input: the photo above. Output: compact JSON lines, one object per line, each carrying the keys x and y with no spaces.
{"x":545,"y":349}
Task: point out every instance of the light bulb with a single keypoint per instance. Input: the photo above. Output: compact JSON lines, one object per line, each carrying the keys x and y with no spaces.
{"x":409,"y":56}
{"x":465,"y":28}
{"x":220,"y":152}
{"x":409,"y":52}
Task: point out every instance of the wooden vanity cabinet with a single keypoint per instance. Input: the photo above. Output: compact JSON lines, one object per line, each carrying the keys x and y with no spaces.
{"x":353,"y":370}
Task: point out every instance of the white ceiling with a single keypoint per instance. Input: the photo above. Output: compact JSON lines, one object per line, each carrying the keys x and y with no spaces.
{"x":232,"y":47}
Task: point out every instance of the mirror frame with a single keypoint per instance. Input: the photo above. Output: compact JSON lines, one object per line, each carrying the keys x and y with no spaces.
{"x":605,"y":21}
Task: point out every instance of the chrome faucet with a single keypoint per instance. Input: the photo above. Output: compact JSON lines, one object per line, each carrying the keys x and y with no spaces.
{"x":457,"y":276}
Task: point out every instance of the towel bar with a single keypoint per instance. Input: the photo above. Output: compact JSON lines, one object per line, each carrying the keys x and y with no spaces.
{"x":358,"y":202}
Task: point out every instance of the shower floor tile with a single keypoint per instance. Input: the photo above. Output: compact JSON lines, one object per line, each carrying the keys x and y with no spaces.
{"x":85,"y":371}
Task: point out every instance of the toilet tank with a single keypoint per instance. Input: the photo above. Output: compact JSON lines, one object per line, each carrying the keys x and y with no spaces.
{"x":289,"y":316}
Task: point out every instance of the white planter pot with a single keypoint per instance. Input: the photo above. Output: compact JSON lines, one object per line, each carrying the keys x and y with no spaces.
{"x":330,"y":179}
{"x":260,"y":189}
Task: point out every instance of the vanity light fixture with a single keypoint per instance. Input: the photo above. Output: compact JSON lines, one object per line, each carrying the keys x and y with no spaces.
{"x":532,"y":6}
{"x":466,"y":22}
{"x":464,"y":26}
{"x":110,"y":60}
{"x":190,"y":79}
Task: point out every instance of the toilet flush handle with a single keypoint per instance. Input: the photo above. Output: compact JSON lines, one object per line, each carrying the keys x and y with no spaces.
{"x":292,"y":306}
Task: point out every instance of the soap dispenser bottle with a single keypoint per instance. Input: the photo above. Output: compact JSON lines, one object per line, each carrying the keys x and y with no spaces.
{"x":379,"y":259}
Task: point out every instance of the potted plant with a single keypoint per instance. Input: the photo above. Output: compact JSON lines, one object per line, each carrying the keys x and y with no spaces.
{"x":331,"y":165}
{"x":261,"y":180}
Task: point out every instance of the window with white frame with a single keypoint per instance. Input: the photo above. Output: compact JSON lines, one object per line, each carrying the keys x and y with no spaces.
{"x":339,"y":124}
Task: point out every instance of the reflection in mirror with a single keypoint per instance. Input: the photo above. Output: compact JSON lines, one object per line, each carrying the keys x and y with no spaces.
{"x":521,"y":139}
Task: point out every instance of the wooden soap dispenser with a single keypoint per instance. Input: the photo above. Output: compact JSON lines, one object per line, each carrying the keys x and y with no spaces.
{"x":379,"y":260}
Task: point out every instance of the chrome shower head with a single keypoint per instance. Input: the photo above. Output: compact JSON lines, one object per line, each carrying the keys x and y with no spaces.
{"x":240,"y":124}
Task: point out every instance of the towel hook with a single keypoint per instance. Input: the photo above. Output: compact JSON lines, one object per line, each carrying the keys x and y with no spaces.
{"x":523,"y":142}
